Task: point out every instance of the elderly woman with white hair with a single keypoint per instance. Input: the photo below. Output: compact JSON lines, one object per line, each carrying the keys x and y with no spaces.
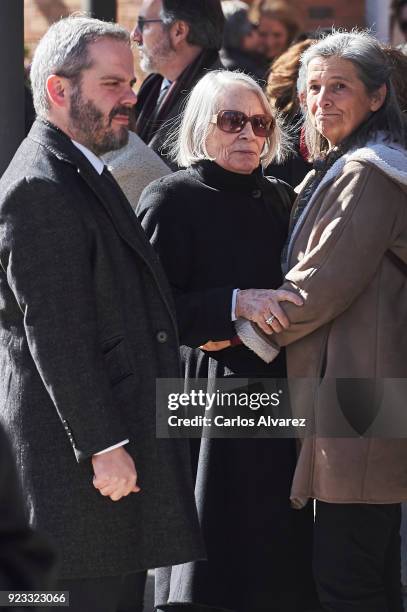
{"x":219,"y":226}
{"x":347,"y":344}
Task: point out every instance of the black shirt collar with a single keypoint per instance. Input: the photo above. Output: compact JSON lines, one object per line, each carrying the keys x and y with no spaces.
{"x":212,"y":174}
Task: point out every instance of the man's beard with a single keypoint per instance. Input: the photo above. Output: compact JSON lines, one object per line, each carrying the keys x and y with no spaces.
{"x":154,"y":59}
{"x":89,"y":126}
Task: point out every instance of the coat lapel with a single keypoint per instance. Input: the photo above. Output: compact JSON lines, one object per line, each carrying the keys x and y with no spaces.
{"x":114,"y":202}
{"x":118,"y":208}
{"x":127,"y":226}
{"x":120,"y":212}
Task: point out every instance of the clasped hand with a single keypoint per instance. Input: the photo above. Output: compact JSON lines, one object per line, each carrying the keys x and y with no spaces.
{"x":115,"y":474}
{"x":257,"y":305}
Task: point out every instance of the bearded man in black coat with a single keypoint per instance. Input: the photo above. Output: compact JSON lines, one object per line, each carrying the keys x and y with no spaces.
{"x":87,"y":325}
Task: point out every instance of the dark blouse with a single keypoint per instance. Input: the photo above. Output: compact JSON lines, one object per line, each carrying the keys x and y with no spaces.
{"x":215,"y":231}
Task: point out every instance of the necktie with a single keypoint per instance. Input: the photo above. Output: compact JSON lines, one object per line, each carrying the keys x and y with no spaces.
{"x":166,"y":84}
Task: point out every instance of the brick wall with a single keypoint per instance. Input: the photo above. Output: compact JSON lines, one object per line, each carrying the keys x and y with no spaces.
{"x":39,"y":14}
{"x":325,"y":13}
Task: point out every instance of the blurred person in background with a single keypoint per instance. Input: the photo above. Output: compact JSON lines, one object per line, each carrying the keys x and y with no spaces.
{"x":347,"y":344}
{"x":219,"y":225}
{"x":400,"y":14}
{"x":27,"y":563}
{"x":242,"y":45}
{"x":134,"y":167}
{"x":278,"y":26}
{"x":178,"y":43}
{"x":398,"y":61}
{"x":281,"y":90}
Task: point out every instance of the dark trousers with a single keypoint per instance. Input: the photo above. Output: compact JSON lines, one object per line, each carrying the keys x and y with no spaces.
{"x":357,"y":557}
{"x":106,"y":594}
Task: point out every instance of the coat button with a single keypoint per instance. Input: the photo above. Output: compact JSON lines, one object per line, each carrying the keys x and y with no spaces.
{"x":256,"y":193}
{"x":162,"y":336}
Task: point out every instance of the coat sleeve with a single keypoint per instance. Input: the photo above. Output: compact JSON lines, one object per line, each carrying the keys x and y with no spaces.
{"x":346,"y":252}
{"x":202,"y":314}
{"x":45,"y":251}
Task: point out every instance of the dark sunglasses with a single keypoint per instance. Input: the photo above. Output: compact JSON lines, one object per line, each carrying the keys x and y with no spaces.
{"x":141,"y":22}
{"x":403,"y":26}
{"x":233,"y":122}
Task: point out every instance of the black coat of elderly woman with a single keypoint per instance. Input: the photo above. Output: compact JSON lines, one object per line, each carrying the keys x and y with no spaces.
{"x":220,"y":225}
{"x":347,"y":257}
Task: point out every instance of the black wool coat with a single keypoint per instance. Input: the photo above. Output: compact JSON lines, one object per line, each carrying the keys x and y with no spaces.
{"x":26,"y":559}
{"x":86,"y":326}
{"x":215,"y":231}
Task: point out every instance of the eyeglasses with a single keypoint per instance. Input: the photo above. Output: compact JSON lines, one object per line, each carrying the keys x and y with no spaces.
{"x":233,"y":122}
{"x":141,"y":22}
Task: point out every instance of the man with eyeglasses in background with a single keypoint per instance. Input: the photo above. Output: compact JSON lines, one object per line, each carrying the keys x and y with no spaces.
{"x":178,"y":43}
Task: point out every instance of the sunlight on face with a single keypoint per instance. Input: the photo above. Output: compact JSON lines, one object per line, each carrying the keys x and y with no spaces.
{"x":237,"y":152}
{"x":336,"y":98}
{"x":101,"y":103}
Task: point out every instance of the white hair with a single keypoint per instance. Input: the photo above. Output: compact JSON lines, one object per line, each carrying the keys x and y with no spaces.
{"x":63,"y":50}
{"x":188,"y":143}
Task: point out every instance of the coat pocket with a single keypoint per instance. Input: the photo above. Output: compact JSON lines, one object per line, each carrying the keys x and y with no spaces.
{"x":116,"y":359}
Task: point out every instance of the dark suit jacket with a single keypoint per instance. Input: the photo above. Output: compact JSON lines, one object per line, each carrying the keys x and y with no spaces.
{"x":26,"y":560}
{"x":86,"y":326}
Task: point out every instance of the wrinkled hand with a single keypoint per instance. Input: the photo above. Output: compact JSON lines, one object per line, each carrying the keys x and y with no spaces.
{"x":115,"y":474}
{"x":257,"y":305}
{"x":215,"y":346}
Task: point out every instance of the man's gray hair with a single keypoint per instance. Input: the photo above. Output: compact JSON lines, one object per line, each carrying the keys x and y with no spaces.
{"x":237,"y":23}
{"x":374,"y":70}
{"x":189,"y":141}
{"x":63,"y":50}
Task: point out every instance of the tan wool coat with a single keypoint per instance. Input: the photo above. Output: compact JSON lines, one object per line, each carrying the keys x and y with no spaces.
{"x":347,"y":345}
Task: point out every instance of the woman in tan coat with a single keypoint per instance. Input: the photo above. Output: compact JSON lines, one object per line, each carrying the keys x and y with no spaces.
{"x":347,"y":345}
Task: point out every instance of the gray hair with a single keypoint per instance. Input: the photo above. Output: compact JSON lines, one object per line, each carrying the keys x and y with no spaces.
{"x":374,"y":70}
{"x":237,"y":23}
{"x":189,"y":142}
{"x":63,"y":50}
